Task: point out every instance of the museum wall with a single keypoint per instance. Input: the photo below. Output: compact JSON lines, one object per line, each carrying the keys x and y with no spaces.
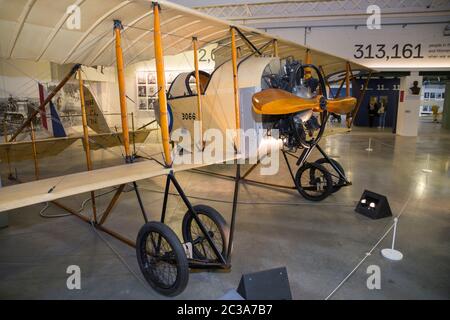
{"x":408,"y":47}
{"x":18,"y":77}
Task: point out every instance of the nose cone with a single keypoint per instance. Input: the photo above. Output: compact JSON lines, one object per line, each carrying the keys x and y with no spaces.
{"x":323,"y":103}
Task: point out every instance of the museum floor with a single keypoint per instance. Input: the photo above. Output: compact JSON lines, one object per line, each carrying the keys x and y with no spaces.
{"x":319,"y":243}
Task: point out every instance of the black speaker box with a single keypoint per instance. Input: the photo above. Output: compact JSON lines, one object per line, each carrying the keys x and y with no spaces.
{"x":270,"y":284}
{"x":373,"y":205}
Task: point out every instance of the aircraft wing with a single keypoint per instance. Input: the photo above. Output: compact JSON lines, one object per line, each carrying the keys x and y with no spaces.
{"x":18,"y":151}
{"x":109,"y":140}
{"x":35,"y":31}
{"x":29,"y":193}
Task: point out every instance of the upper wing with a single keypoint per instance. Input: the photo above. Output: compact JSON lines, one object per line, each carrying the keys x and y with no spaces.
{"x":36,"y":31}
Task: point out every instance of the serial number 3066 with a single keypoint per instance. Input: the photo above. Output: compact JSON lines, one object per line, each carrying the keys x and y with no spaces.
{"x":260,"y":309}
{"x":188,"y":116}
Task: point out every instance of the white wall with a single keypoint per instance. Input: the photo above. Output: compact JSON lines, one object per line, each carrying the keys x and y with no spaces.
{"x":18,"y":77}
{"x":408,"y":109}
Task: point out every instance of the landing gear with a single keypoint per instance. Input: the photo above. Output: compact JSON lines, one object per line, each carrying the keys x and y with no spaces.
{"x":313,"y":182}
{"x":165,"y":261}
{"x":216,"y":227}
{"x":336,"y":171}
{"x":162,"y":259}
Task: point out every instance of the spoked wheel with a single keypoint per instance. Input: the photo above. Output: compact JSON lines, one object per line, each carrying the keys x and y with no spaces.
{"x":337,"y":180}
{"x":313,"y":182}
{"x":162,"y":259}
{"x":216,"y":227}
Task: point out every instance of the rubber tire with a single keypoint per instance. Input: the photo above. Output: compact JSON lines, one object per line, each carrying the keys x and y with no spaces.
{"x":327,"y":176}
{"x":218,"y":220}
{"x":322,"y":161}
{"x":180,"y":257}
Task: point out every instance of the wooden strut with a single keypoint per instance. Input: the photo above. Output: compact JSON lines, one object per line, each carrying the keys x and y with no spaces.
{"x":347,"y":79}
{"x":338,"y":93}
{"x":235,"y":86}
{"x":111,"y":204}
{"x":87,"y":147}
{"x":33,"y":146}
{"x":275,"y":48}
{"x":308,"y":60}
{"x":8,"y":160}
{"x":199,"y":91}
{"x":122,"y":95}
{"x":133,"y":135}
{"x":325,"y":78}
{"x":160,"y":76}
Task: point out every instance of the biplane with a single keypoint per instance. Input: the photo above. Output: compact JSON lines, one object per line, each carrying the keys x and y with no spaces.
{"x":260,"y":81}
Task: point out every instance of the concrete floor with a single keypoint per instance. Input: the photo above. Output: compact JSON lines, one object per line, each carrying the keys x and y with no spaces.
{"x":319,"y":243}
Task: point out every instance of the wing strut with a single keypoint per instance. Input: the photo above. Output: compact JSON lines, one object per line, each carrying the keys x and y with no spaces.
{"x":199,"y":91}
{"x":235,"y":85}
{"x":33,"y":147}
{"x":308,"y":60}
{"x":275,"y":48}
{"x":121,"y":80}
{"x":347,"y":79}
{"x":87,"y":147}
{"x":159,"y":59}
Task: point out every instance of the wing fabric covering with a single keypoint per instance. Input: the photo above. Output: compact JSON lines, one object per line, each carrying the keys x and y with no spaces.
{"x":44,"y":37}
{"x":95,"y":118}
{"x":42,"y":95}
{"x":57,"y":127}
{"x":19,"y":151}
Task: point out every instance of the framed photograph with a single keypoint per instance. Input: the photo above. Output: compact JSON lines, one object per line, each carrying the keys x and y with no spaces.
{"x":151,"y":77}
{"x":141,"y":77}
{"x":142,"y":104}
{"x":151,"y":91}
{"x":151,"y":104}
{"x":142,"y":91}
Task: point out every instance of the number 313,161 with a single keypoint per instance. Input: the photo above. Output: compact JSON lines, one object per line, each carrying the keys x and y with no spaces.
{"x":380,"y":51}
